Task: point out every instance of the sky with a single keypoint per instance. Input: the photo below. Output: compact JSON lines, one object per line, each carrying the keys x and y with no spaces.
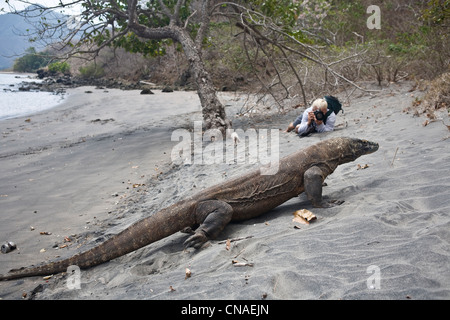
{"x":19,"y":5}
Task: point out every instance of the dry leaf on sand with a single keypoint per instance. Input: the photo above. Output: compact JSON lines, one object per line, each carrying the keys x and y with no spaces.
{"x":303,"y":216}
{"x":241,"y":264}
{"x":228,"y":245}
{"x":188,"y":274}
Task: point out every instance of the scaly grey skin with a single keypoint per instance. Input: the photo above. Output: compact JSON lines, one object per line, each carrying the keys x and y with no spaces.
{"x":242,"y":198}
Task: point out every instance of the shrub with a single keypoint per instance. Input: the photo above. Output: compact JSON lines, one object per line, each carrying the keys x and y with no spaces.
{"x":31,"y":61}
{"x":59,"y":67}
{"x":92,"y":71}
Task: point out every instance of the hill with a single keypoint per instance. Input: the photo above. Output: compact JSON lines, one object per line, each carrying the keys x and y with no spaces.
{"x":15,"y":34}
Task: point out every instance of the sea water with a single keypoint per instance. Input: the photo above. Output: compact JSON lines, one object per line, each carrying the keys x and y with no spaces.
{"x":15,"y":103}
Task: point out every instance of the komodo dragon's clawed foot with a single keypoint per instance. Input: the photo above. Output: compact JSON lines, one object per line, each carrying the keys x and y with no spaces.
{"x":213,"y":216}
{"x":197,"y":240}
{"x":336,"y":202}
{"x":328,"y":204}
{"x":189,"y":230}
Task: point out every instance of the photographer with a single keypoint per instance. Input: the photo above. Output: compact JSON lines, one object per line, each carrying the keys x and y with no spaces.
{"x":317,"y":118}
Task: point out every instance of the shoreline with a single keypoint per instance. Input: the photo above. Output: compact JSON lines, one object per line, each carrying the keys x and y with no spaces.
{"x":67,"y":174}
{"x":19,"y":73}
{"x":58,"y":85}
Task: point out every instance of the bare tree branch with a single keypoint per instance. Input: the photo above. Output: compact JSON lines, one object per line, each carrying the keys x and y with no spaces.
{"x":166,"y":10}
{"x":205,"y":18}
{"x":290,"y":55}
{"x":176,"y":13}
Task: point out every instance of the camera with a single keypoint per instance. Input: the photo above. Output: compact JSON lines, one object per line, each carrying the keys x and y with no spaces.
{"x":319,"y":115}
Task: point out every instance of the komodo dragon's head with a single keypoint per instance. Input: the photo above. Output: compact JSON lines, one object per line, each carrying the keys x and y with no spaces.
{"x":359,"y":147}
{"x":349,"y":149}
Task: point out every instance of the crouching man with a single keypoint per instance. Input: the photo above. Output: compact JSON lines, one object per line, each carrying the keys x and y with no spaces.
{"x":320,"y":117}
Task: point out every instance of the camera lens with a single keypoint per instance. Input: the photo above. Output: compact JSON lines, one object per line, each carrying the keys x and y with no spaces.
{"x":319,"y":115}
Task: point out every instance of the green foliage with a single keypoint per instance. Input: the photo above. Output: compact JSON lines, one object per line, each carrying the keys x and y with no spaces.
{"x":294,"y":15}
{"x":437,"y":11}
{"x":284,"y":12}
{"x":304,"y":20}
{"x":230,"y":54}
{"x":59,"y":67}
{"x":344,"y":18}
{"x":31,"y":61}
{"x":92,"y":71}
{"x":132,"y":43}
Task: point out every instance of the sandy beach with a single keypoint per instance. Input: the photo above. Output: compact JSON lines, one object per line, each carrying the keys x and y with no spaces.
{"x":76,"y":174}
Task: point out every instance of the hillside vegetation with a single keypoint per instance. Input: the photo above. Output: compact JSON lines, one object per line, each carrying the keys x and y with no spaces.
{"x":410,"y":43}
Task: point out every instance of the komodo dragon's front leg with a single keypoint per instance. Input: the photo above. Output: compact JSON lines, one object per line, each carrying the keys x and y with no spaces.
{"x":213,"y":216}
{"x":313,"y":181}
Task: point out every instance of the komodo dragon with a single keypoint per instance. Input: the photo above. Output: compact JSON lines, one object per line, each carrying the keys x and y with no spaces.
{"x":242,"y":198}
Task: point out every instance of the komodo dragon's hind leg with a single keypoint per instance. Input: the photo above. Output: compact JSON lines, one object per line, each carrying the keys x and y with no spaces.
{"x":313,"y":181}
{"x":213,"y":216}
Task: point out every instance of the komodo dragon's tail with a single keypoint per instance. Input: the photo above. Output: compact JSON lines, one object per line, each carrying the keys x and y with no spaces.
{"x":148,"y":230}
